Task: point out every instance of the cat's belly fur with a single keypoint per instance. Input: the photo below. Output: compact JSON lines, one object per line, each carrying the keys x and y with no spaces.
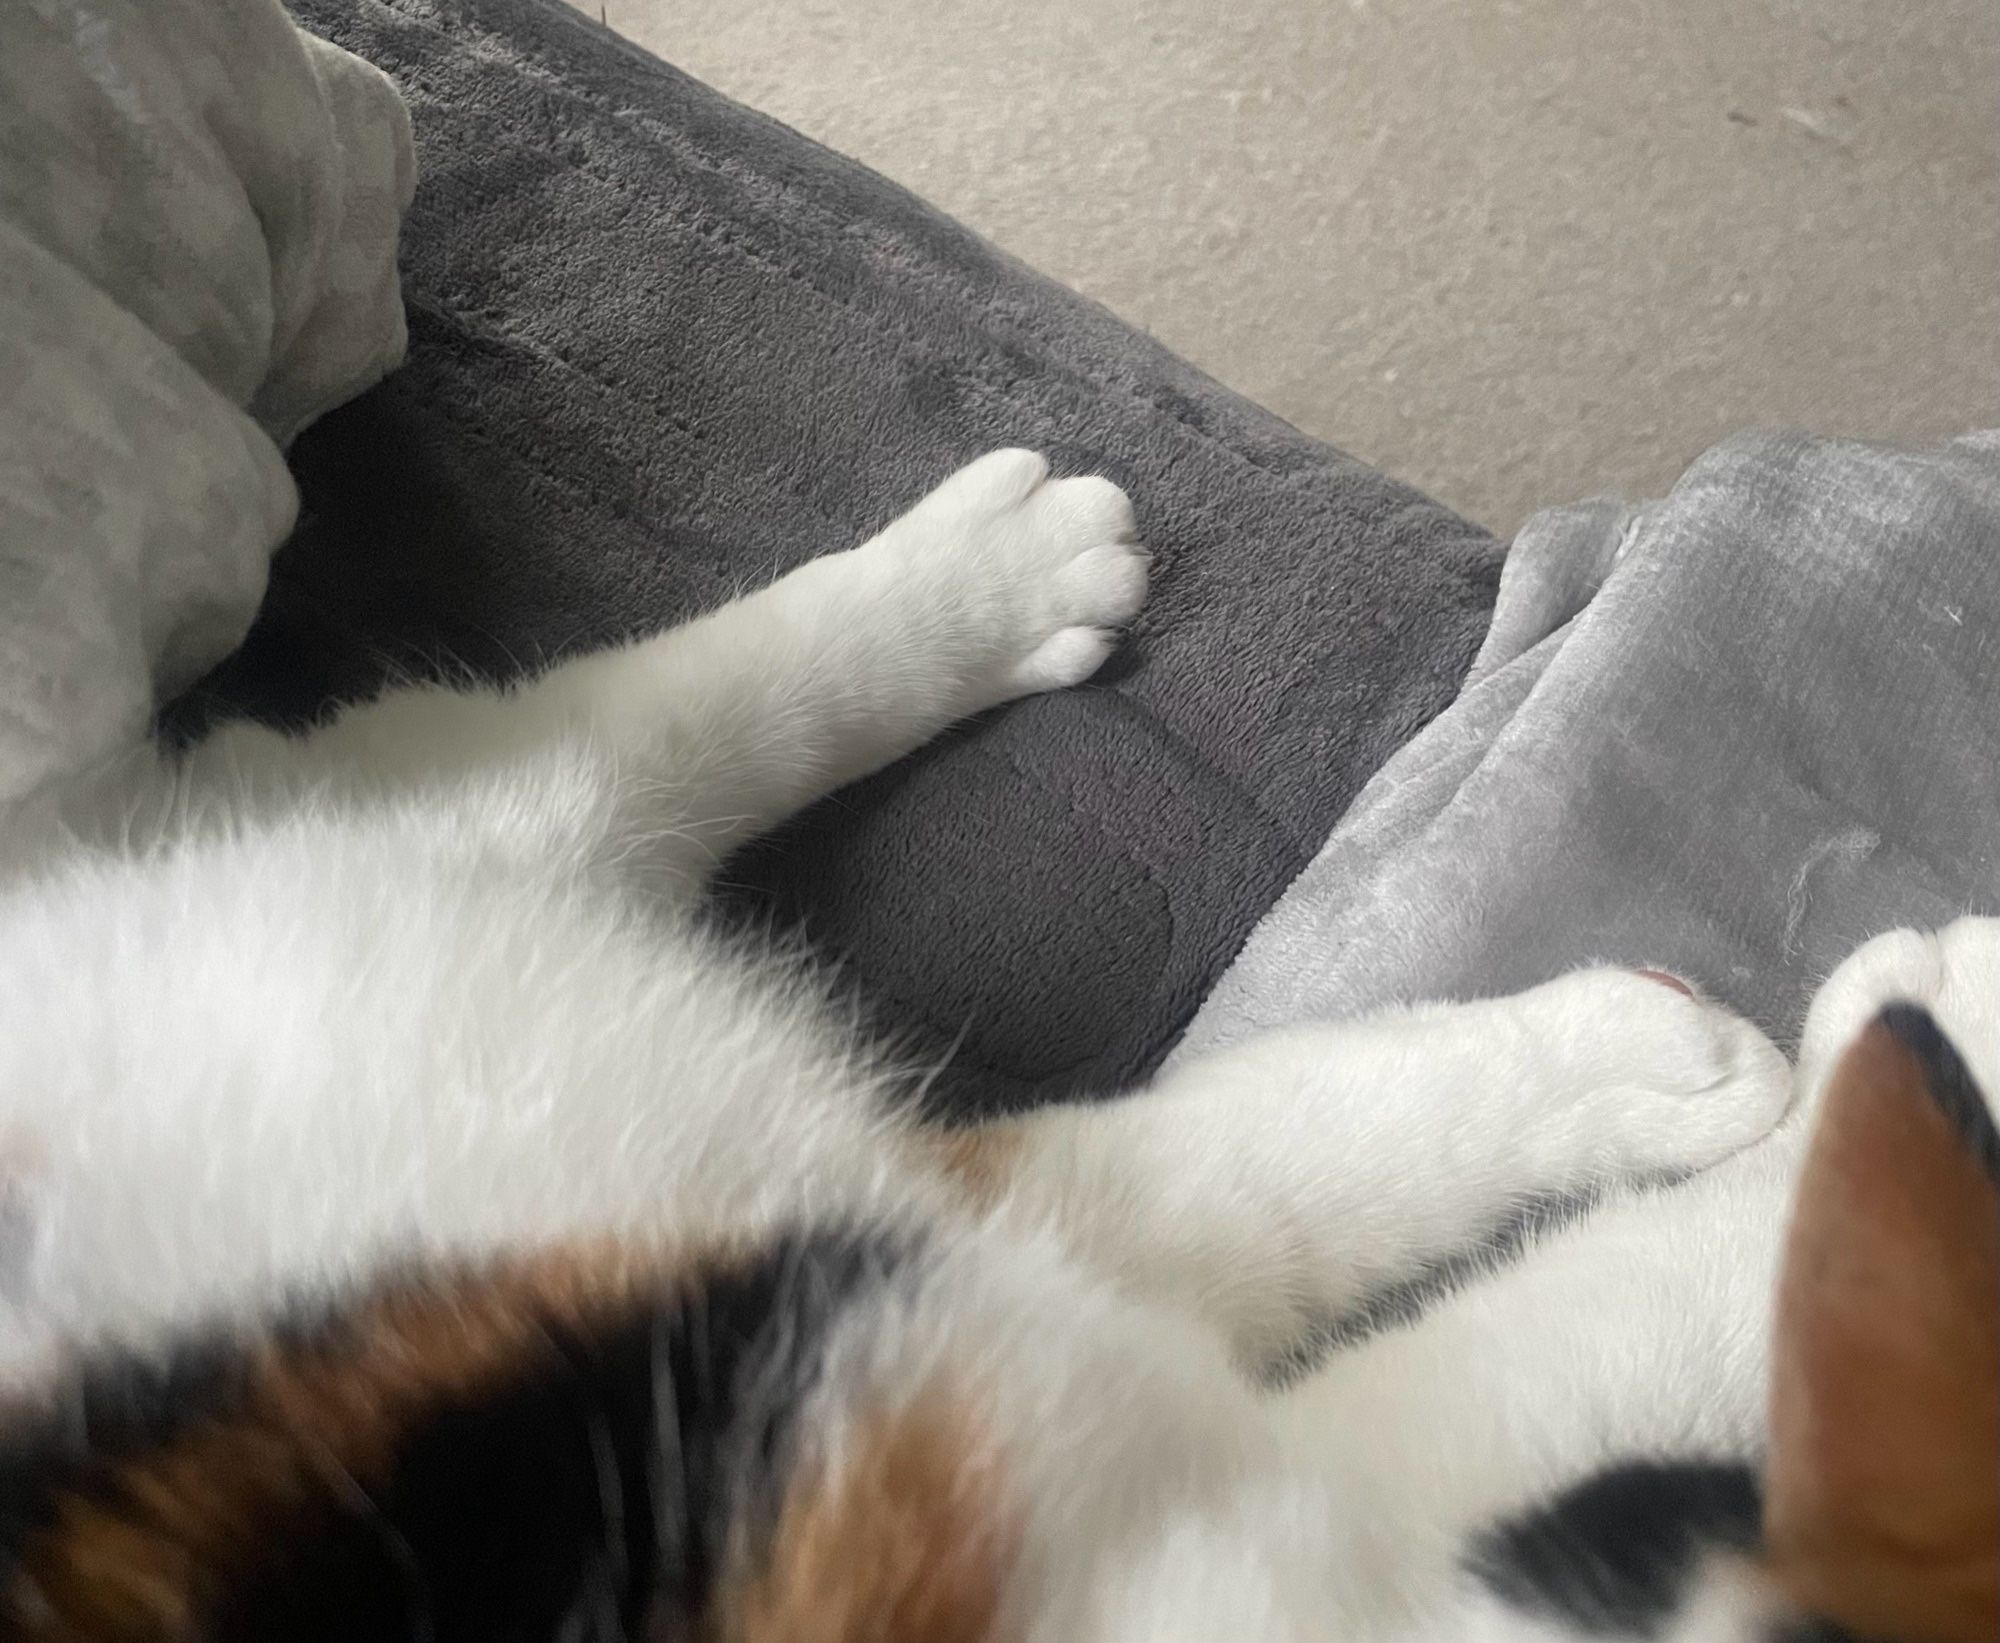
{"x":283,"y":1062}
{"x":278,"y":1058}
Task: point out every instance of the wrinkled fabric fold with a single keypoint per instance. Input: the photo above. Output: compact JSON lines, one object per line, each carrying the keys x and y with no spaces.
{"x":1733,"y":733}
{"x":198,"y":218}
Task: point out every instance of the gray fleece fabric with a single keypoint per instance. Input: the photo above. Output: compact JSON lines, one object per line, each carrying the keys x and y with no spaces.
{"x":662,"y":348}
{"x":1735,"y":733}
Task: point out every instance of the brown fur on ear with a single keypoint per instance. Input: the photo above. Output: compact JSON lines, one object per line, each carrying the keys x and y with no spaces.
{"x":1883,"y":1500}
{"x":903,"y":1538}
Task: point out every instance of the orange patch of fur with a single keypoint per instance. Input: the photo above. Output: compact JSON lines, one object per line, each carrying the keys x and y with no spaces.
{"x":144,"y":1559}
{"x":978,"y":1161}
{"x":905,"y":1538}
{"x":1884,"y":1502}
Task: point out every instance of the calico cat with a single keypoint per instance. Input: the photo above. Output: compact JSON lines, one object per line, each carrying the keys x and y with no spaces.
{"x":415,"y":1223}
{"x":1877,"y":1511}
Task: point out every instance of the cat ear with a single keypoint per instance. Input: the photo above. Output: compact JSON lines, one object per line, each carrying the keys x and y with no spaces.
{"x":1883,"y":1496}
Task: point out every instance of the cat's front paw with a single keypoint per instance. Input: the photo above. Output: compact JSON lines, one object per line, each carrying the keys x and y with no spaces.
{"x":1039,"y":572}
{"x":1670,"y":1080}
{"x":1954,"y":973}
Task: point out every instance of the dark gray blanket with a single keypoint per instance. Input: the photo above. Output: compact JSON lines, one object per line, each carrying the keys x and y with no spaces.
{"x":663,"y":348}
{"x":1735,"y":732}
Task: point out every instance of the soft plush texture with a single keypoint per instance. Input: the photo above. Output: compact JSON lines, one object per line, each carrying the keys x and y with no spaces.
{"x":198,"y":213}
{"x":662,"y":348}
{"x":1735,"y":733}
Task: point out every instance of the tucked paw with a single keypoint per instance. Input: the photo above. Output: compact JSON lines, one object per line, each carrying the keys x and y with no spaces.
{"x":1670,"y":1080}
{"x":1954,"y":973}
{"x":1039,"y":573}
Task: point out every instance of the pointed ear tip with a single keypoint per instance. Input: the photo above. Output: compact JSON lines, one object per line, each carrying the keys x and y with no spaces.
{"x":1916,"y":1030}
{"x":1888,"y":1063}
{"x":1945,"y":1078}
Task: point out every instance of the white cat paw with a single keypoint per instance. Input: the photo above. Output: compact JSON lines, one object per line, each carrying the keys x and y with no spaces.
{"x":1954,"y":973}
{"x":1669,"y":1080}
{"x":1040,"y":573}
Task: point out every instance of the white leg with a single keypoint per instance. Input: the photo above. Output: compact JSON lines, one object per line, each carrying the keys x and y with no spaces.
{"x":1000,"y":583}
{"x":1639,"y":1332}
{"x":1642,"y":1331}
{"x":1272,"y":1186}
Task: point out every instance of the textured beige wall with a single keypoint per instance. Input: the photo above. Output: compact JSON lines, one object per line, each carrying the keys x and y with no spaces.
{"x":1516,"y":251}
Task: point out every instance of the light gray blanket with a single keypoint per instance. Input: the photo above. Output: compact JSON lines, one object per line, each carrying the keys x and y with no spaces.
{"x":198,"y":217}
{"x":1733,"y":733}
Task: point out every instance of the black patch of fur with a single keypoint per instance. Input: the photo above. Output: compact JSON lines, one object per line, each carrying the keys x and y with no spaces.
{"x":590,"y":1497}
{"x":117,"y":1405}
{"x":594,"y":1498}
{"x":1949,"y":1081}
{"x":1613,"y":1555}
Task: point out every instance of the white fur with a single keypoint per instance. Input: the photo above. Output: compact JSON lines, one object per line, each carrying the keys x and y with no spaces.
{"x":432,"y":979}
